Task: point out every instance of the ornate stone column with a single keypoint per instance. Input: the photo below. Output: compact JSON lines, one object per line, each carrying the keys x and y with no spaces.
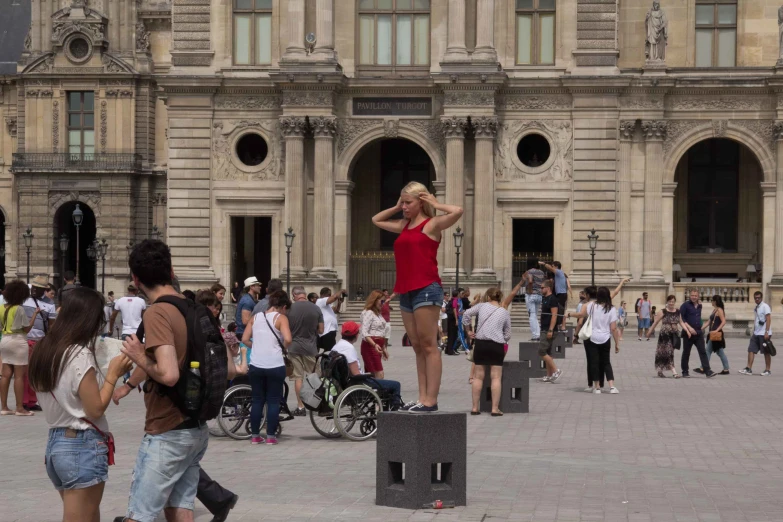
{"x":455,"y":48}
{"x":627,"y":129}
{"x":293,"y":129}
{"x":295,"y":26}
{"x":485,"y":32}
{"x":324,"y":29}
{"x":654,"y":134}
{"x":667,"y":247}
{"x":454,"y":129}
{"x":324,"y":130}
{"x":777,"y":277}
{"x":485,"y":129}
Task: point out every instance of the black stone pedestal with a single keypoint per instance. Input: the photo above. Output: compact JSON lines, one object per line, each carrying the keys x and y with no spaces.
{"x":514,"y":388}
{"x":565,"y":338}
{"x":528,"y":352}
{"x":420,"y":458}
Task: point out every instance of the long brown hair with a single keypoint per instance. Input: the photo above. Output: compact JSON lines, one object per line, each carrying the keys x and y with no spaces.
{"x":371,"y":300}
{"x":78,"y":324}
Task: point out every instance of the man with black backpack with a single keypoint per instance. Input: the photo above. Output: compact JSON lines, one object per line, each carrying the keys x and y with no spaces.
{"x":178,"y":400}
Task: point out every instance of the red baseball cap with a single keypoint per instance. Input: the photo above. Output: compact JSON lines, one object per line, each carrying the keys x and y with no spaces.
{"x":350,"y":329}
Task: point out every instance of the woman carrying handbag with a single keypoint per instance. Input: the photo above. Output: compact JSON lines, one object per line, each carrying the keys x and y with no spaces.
{"x":715,"y":339}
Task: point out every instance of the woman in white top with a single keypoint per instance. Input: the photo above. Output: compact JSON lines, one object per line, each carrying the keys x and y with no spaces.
{"x":493,"y":331}
{"x":373,"y":335}
{"x":271,"y":336}
{"x":604,"y":326}
{"x":74,"y":396}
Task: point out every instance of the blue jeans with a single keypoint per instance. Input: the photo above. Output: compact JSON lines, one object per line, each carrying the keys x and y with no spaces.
{"x":721,"y":353}
{"x":533,"y":303}
{"x":392,"y":387}
{"x":267,"y":385}
{"x":166,"y":472}
{"x":76,"y":459}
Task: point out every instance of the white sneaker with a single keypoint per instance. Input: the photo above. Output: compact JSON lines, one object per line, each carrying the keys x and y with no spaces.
{"x":589,"y":389}
{"x":556,"y":376}
{"x":766,"y":373}
{"x":545,"y":379}
{"x":597,"y":391}
{"x":613,"y":390}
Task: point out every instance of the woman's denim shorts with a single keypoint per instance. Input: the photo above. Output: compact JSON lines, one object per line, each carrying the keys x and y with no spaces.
{"x":76,"y":459}
{"x":431,"y":295}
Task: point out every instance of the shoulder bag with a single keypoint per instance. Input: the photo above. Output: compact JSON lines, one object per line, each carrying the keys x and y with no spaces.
{"x":289,"y":367}
{"x":587,"y":328}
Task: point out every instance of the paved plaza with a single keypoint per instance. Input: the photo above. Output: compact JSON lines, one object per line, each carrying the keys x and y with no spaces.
{"x":662,"y":450}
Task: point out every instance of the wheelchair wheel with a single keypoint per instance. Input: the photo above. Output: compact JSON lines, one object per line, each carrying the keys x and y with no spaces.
{"x":234,"y":416}
{"x":214,"y":428}
{"x":356,"y":412}
{"x":324,"y":424}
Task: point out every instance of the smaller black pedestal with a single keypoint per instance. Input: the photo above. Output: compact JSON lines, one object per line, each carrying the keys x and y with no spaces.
{"x":514,"y":388}
{"x":565,"y":338}
{"x":528,"y":352}
{"x":420,"y":458}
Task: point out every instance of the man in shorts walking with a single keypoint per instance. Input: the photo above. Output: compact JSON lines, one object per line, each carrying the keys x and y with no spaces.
{"x":550,"y":312}
{"x":166,"y":474}
{"x":643,"y":310}
{"x":762,"y":329}
{"x":306,"y":322}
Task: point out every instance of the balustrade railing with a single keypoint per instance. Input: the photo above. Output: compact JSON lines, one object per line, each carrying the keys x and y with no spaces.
{"x":729,"y":292}
{"x":62,"y":161}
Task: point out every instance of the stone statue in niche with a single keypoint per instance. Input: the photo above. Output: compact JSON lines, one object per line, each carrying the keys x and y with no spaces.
{"x":780,"y":36}
{"x":657,"y":27}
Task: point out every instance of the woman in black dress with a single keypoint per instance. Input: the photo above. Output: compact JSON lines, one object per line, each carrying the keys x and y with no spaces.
{"x":493,"y":332}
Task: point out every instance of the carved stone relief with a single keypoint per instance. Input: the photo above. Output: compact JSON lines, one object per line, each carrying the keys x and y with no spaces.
{"x":323,"y":126}
{"x":308,"y":98}
{"x":627,"y":129}
{"x":10,"y":124}
{"x":348,"y":130}
{"x":654,"y":130}
{"x":104,"y":124}
{"x":247,"y":102}
{"x":676,"y":129}
{"x":559,"y":134}
{"x":778,"y":128}
{"x":454,"y":127}
{"x":225,"y":164}
{"x":391,"y":128}
{"x":142,"y":38}
{"x":764,"y":129}
{"x":470,"y":98}
{"x":638,"y":102}
{"x":432,"y":129}
{"x":720,"y":103}
{"x":535,"y":102}
{"x":484,"y":127}
{"x":56,"y":125}
{"x":719,"y":128}
{"x":58,"y":198}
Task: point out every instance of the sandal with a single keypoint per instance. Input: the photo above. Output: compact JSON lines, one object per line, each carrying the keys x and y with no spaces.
{"x":497,"y":413}
{"x":6,"y":412}
{"x":25,"y":414}
{"x":475,"y":413}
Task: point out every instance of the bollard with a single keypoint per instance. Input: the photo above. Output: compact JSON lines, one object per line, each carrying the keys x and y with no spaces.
{"x":528,"y":352}
{"x":514,"y":388}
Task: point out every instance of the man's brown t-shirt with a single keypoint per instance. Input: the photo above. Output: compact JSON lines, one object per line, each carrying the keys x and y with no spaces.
{"x":163,"y":324}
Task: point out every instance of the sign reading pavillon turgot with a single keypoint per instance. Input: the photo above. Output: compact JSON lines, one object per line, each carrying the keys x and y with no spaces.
{"x":392,"y":106}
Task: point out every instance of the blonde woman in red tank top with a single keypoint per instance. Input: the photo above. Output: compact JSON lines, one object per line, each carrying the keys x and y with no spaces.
{"x":418,"y":283}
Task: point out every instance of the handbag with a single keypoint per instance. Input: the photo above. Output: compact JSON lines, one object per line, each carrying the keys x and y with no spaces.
{"x":769,"y":348}
{"x":587,"y":328}
{"x":716,"y":336}
{"x":289,"y":367}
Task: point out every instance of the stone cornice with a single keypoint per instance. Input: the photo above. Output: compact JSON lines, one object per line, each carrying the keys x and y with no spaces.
{"x":188,"y":84}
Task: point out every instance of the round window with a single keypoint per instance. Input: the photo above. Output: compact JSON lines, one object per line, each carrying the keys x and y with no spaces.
{"x":533,"y":150}
{"x":252,"y":150}
{"x":79,"y":48}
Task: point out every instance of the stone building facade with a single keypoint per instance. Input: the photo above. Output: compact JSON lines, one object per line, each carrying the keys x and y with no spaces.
{"x":220,"y":124}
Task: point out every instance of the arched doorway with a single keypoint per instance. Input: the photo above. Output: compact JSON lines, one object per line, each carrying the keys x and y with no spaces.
{"x":718,"y":214}
{"x":63,"y":224}
{"x":379,"y":173}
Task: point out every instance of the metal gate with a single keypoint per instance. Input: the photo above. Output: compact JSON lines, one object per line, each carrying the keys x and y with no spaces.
{"x":368,"y":271}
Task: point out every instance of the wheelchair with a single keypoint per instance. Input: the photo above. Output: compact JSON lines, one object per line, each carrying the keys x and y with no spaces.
{"x":350,"y":404}
{"x":234,"y":417}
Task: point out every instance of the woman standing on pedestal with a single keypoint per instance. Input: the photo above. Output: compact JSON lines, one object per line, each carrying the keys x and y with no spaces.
{"x":418,"y":282}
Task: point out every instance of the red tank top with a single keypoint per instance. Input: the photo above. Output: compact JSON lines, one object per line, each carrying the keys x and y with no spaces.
{"x":416,"y":259}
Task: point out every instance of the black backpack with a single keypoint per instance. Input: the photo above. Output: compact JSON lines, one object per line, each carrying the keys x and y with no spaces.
{"x":206,"y":346}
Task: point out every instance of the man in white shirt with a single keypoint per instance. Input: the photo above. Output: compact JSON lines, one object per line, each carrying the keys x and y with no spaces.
{"x":350,"y":332}
{"x":132,"y":308}
{"x":43,"y":324}
{"x":328,"y":339}
{"x":762,"y":329}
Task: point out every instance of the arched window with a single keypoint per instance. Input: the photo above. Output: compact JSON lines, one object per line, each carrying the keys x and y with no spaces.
{"x":394,"y":34}
{"x":535,"y":32}
{"x":252,"y":32}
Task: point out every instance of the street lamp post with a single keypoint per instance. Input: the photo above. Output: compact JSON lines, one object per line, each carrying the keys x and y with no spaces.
{"x":592,"y":238}
{"x":78,"y":219}
{"x":28,"y":244}
{"x":155,"y":234}
{"x":458,"y":235}
{"x":64,"y":251}
{"x":102,"y":248}
{"x":289,"y":242}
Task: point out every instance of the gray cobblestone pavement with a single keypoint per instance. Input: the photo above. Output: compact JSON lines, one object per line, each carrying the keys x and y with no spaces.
{"x":690,"y":450}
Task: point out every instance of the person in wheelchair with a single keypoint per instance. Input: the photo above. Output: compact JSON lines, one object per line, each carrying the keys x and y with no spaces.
{"x":344,"y":347}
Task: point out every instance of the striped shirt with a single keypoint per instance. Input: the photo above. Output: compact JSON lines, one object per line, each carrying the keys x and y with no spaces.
{"x":494,"y":322}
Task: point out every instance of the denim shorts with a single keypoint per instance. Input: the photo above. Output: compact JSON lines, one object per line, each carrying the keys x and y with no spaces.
{"x":644,"y":322}
{"x":431,"y":295}
{"x":166,"y":472}
{"x":76,"y":462}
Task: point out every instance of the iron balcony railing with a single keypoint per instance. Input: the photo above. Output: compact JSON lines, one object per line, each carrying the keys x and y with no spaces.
{"x":64,"y":161}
